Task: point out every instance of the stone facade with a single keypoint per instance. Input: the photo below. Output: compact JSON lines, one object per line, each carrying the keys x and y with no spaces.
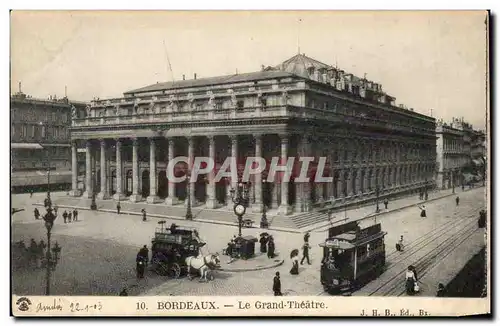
{"x":40,"y":139}
{"x":453,"y":147}
{"x":296,"y":109}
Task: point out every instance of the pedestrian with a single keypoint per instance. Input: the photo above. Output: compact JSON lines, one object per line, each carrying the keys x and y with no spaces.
{"x":400,"y":246}
{"x":143,"y":215}
{"x":69,"y":217}
{"x":295,"y":265}
{"x":65,"y":216}
{"x":305,"y":253}
{"x":31,"y":193}
{"x":36,"y":212}
{"x":307,"y":236}
{"x":118,"y":208}
{"x":75,"y":215}
{"x":124,"y":293}
{"x":422,"y":211}
{"x":420,"y":195}
{"x":55,"y":209}
{"x":144,"y":253}
{"x":386,"y":202}
{"x":270,"y":247}
{"x":457,"y":200}
{"x":463,"y":188}
{"x":277,"y":285}
{"x":441,"y":291}
{"x":426,"y":195}
{"x":263,"y":243}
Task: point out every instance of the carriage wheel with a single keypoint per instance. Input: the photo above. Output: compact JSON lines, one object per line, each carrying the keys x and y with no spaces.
{"x":162,"y":269}
{"x":175,"y":270}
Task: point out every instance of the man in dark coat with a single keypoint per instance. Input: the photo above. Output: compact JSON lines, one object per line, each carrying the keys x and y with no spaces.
{"x":118,"y":208}
{"x":65,"y":216}
{"x":386,"y":202}
{"x":263,"y":244}
{"x":457,"y":200}
{"x":75,"y":215}
{"x":36,"y":212}
{"x":143,"y":215}
{"x":144,"y":252}
{"x":277,"y":285}
{"x":270,"y":247}
{"x":305,"y":253}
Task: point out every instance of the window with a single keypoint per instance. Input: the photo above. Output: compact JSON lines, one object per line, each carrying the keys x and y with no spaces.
{"x":24,"y":131}
{"x":240,"y":104}
{"x":43,"y":131}
{"x":32,"y":131}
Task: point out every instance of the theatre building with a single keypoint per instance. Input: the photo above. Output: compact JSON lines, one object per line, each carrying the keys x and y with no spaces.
{"x":298,"y":108}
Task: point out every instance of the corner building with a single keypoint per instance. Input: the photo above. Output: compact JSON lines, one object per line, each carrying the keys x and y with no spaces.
{"x":301,"y":107}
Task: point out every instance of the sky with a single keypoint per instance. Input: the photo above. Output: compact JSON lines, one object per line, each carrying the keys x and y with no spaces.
{"x":430,"y":61}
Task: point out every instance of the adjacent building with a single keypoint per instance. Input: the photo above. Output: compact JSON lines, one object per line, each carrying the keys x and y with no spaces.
{"x":301,"y":107}
{"x":460,"y":154}
{"x":40,"y":142}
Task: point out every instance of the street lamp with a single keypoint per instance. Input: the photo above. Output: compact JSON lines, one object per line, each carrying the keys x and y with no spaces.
{"x":377,"y":192}
{"x":189,"y":214}
{"x":49,"y":219}
{"x":240,"y":198}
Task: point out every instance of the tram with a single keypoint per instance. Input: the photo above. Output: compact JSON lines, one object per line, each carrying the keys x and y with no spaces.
{"x":352,"y":257}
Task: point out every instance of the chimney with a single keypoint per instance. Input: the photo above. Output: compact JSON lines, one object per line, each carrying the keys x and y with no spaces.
{"x":183,"y":77}
{"x":195,"y":76}
{"x":20,"y":90}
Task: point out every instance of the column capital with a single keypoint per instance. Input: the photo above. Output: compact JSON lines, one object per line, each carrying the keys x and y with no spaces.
{"x":284,"y":139}
{"x":102,"y":141}
{"x":171,"y":141}
{"x":257,"y":136}
{"x":118,"y":140}
{"x":211,"y":137}
{"x":135,"y":141}
{"x":234,"y":139}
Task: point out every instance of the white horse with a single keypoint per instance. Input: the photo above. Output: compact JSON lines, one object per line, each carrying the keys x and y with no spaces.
{"x":203,"y":264}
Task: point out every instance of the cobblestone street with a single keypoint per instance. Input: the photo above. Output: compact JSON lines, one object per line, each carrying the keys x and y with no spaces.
{"x":98,"y":255}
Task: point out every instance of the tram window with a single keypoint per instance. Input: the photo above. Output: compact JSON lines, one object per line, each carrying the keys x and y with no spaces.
{"x":361,"y":251}
{"x":368,"y":250}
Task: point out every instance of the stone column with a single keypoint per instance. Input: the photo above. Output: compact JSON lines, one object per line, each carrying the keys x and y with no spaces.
{"x":192,"y":184}
{"x":284,"y":208}
{"x":88,"y":170}
{"x":75,"y":192}
{"x":171,"y":199}
{"x":104,"y":194}
{"x":257,"y":206}
{"x":341,"y":183}
{"x":359,"y":175}
{"x":135,"y":197}
{"x":211,"y":202}
{"x":349,"y":184}
{"x":119,"y":172}
{"x":152,"y":198}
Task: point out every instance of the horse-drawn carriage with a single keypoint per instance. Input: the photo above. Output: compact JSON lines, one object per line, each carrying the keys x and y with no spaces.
{"x":175,"y":251}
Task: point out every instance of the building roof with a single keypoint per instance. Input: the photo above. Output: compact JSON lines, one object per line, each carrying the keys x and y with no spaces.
{"x":252,"y":76}
{"x":299,"y":64}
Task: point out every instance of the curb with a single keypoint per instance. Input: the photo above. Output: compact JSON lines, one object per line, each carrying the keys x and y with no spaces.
{"x":237,"y":270}
{"x":171,"y":217}
{"x":390,"y":211}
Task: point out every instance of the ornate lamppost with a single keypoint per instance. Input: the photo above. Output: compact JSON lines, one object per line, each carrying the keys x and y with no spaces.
{"x":49,"y":219}
{"x":240,"y":198}
{"x":189,"y":214}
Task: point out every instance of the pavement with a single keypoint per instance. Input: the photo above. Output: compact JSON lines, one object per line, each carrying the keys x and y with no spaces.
{"x":114,"y":240}
{"x":224,"y":216}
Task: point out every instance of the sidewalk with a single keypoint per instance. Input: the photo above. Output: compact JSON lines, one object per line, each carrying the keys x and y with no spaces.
{"x":369,"y":211}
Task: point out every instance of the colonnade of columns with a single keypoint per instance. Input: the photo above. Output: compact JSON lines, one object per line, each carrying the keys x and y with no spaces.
{"x":357,"y":167}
